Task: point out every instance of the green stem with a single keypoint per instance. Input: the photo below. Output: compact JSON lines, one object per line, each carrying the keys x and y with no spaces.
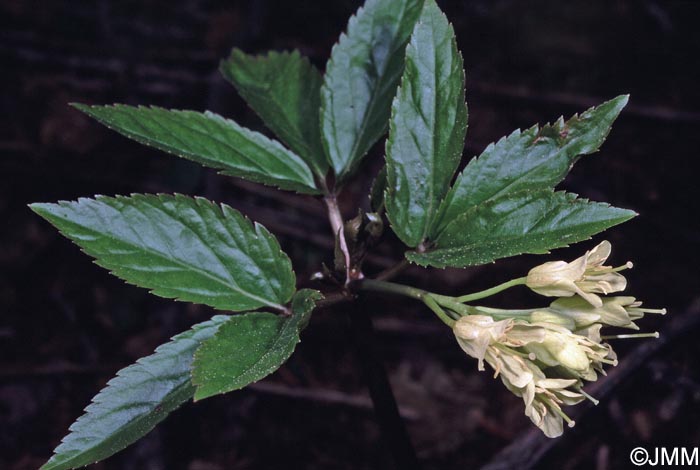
{"x":442,"y":315}
{"x":504,"y":313}
{"x":438,"y":303}
{"x":494,"y":290}
{"x":374,"y":285}
{"x":452,"y":304}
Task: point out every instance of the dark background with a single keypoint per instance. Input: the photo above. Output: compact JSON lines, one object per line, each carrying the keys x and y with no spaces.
{"x":66,"y":326}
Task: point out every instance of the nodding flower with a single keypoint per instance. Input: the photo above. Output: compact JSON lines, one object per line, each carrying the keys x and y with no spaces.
{"x":543,"y":363}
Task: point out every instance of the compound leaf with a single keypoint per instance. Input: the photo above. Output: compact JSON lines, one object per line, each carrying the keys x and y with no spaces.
{"x":179,"y":247}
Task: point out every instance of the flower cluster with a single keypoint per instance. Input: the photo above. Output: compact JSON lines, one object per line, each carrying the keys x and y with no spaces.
{"x":545,"y":355}
{"x":520,"y":352}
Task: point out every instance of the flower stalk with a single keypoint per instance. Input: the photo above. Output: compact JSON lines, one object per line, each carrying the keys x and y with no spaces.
{"x":493,"y":290}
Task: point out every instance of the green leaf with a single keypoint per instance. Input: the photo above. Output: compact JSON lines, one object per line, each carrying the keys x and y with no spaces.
{"x":538,"y":158}
{"x":249,"y":347}
{"x":134,"y":401}
{"x":361,"y":79}
{"x":524,"y":222}
{"x":427,"y":128}
{"x":285,"y":90}
{"x":210,"y":140}
{"x":179,"y":247}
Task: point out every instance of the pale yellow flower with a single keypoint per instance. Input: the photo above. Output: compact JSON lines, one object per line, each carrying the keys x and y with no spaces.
{"x":585,"y":276}
{"x":518,"y":351}
{"x":576,"y":354}
{"x":619,"y":311}
{"x":543,"y":401}
{"x":475,"y":333}
{"x":545,"y":355}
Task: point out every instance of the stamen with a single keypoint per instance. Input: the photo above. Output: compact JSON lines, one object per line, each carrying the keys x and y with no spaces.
{"x":660,"y":311}
{"x":582,"y":392}
{"x":655,"y":334}
{"x":559,"y":411}
{"x":570,"y":422}
{"x":627,"y":265}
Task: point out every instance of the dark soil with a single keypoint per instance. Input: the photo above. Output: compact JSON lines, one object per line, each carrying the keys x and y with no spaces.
{"x":67,"y":326}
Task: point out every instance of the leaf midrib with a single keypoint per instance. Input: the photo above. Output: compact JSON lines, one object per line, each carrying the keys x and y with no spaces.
{"x":206,"y":274}
{"x":434,"y":125}
{"x":470,"y":246}
{"x":212,"y":160}
{"x":374,"y":94}
{"x":287,"y":323}
{"x":227,"y":124}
